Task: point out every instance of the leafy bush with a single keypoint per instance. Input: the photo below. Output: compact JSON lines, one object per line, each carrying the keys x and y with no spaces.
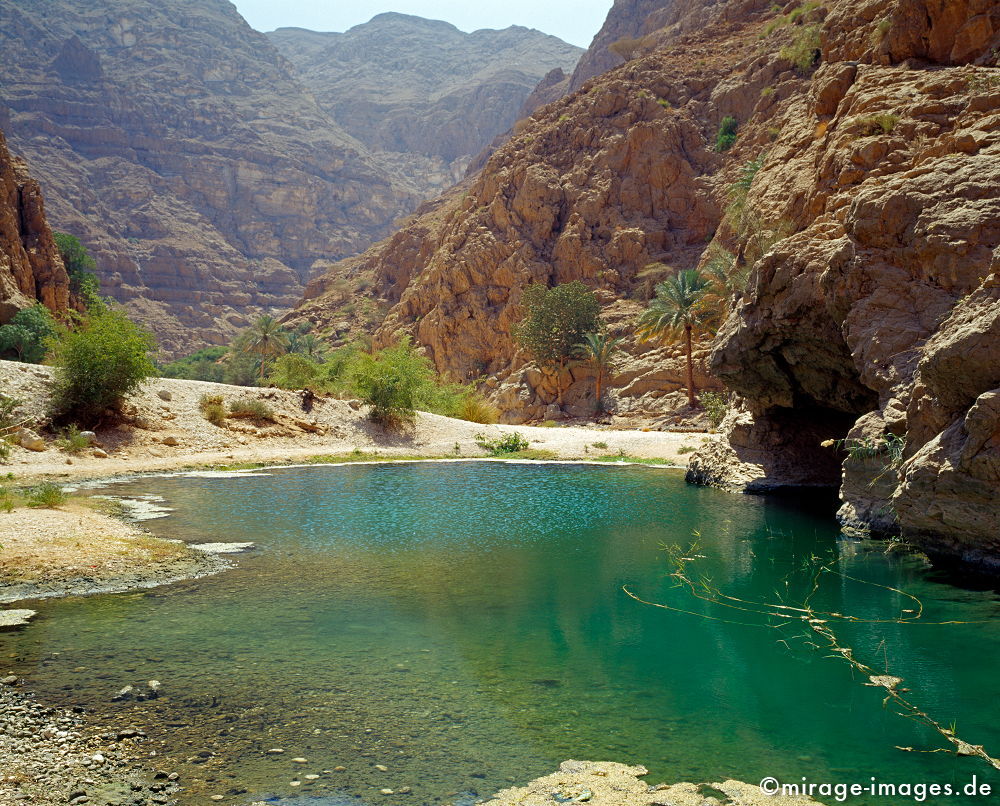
{"x":6,"y":500}
{"x":251,"y":409}
{"x":685,"y":449}
{"x":27,"y":334}
{"x":715,"y":406}
{"x":72,"y":441}
{"x":503,"y":445}
{"x":392,"y":381}
{"x":106,"y":358}
{"x":603,"y":446}
{"x":804,"y":51}
{"x":295,"y":371}
{"x":46,"y":495}
{"x":213,"y":409}
{"x":726,"y":136}
{"x":203,"y":365}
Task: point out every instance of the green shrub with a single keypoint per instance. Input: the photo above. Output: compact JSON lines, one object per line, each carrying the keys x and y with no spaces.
{"x":685,"y":449}
{"x":295,"y":371}
{"x":251,"y":409}
{"x":212,"y":409}
{"x":106,"y":358}
{"x":726,"y":136}
{"x":503,"y":445}
{"x":879,"y":124}
{"x":601,"y":446}
{"x":27,"y":334}
{"x":6,"y":500}
{"x":715,"y":406}
{"x":392,"y":381}
{"x":72,"y":441}
{"x":46,"y":495}
{"x":804,"y":51}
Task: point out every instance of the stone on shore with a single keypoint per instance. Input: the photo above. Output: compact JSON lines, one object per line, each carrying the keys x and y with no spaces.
{"x":15,"y":618}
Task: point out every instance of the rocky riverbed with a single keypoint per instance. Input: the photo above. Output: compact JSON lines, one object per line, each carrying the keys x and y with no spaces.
{"x":55,"y":756}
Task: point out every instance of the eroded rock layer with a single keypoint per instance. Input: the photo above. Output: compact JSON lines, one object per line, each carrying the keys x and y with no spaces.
{"x":176,"y":143}
{"x":31,"y":270}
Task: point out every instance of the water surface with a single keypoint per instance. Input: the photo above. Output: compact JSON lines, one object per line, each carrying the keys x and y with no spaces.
{"x":465,"y":626}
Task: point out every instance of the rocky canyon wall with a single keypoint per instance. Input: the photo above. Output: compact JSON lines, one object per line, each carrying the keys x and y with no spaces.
{"x":865,"y":350}
{"x":31,"y":270}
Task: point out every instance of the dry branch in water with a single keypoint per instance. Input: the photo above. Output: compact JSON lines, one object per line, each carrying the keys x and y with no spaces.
{"x":778,"y":615}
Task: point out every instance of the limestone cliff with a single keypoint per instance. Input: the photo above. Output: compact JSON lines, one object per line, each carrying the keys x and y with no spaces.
{"x":422,"y":95}
{"x":31,"y":270}
{"x":176,"y":142}
{"x":864,"y":347}
{"x":877,"y":321}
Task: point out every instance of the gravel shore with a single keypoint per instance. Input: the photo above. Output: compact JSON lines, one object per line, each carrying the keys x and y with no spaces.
{"x":50,"y":756}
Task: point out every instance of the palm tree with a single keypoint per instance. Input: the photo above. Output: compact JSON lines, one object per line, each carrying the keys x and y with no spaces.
{"x":680,"y":307}
{"x":598,"y":350}
{"x":266,"y":338}
{"x":308,"y":345}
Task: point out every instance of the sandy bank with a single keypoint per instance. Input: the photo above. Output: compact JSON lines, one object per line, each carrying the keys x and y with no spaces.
{"x":165,"y":430}
{"x":75,"y":550}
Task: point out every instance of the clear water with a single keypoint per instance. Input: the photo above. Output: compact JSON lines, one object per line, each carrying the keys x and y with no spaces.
{"x":464,"y":625}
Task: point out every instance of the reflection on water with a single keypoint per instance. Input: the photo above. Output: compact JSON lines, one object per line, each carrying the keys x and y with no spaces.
{"x":464,"y":626}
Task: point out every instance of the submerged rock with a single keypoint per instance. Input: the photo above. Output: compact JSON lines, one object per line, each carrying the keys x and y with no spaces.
{"x":15,"y":618}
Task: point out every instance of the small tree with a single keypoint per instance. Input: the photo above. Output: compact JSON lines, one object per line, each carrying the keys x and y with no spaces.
{"x":27,"y":334}
{"x":680,"y":309}
{"x":80,"y":267}
{"x":266,"y":339}
{"x":294,"y":371}
{"x":100,"y":362}
{"x":555,"y":321}
{"x":599,"y":349}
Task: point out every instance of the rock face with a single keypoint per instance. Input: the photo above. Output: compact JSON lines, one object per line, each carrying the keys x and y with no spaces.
{"x":595,"y":188}
{"x":176,"y":142}
{"x":421,"y":94}
{"x":31,"y":270}
{"x":878,"y":321}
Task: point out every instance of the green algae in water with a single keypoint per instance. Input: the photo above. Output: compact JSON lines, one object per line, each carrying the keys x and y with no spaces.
{"x":464,"y":626}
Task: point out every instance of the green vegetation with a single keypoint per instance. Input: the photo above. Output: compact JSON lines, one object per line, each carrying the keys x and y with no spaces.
{"x":6,"y":500}
{"x":213,"y":409}
{"x":47,"y":496}
{"x":681,"y":309}
{"x":555,"y":321}
{"x":203,"y":365}
{"x":725,"y":138}
{"x":9,"y":421}
{"x":636,"y":460}
{"x":27,"y":334}
{"x":889,"y":445}
{"x":793,"y":17}
{"x":391,"y":382}
{"x":477,"y":410}
{"x":504,"y":445}
{"x":72,"y":440}
{"x":294,"y":371}
{"x":715,"y":406}
{"x":598,"y":349}
{"x":249,"y":408}
{"x":685,"y":449}
{"x":80,"y":267}
{"x":602,"y":446}
{"x":878,"y":124}
{"x":804,"y":50}
{"x":266,"y":339}
{"x":97,"y":364}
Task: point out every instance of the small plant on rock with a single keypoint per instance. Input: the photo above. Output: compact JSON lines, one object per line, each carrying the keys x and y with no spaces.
{"x":715,"y":407}
{"x":726,"y":136}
